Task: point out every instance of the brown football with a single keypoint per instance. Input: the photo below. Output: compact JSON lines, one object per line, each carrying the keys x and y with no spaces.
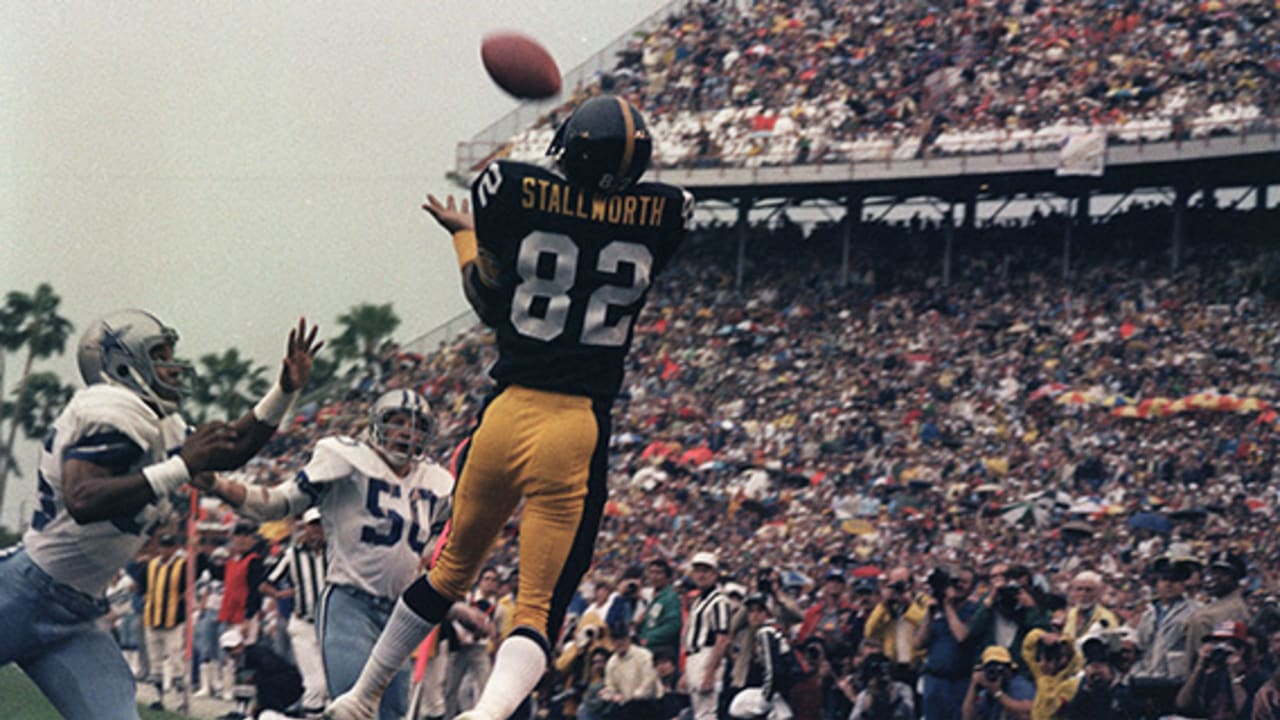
{"x":520,"y":65}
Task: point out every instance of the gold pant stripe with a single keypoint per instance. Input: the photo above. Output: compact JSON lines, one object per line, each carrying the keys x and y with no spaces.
{"x":537,"y":446}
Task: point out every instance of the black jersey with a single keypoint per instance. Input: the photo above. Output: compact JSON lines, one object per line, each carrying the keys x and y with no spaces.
{"x":567,"y":272}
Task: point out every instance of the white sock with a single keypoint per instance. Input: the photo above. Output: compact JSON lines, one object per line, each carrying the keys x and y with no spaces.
{"x":517,"y":668}
{"x":404,"y":632}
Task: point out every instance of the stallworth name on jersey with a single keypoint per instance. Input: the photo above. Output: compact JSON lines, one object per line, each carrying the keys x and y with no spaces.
{"x":549,"y":196}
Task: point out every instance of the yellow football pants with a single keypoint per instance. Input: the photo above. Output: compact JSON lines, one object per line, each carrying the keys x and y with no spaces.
{"x":551,"y":450}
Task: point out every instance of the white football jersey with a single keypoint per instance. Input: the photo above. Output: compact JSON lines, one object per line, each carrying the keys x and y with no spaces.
{"x":378,"y":526}
{"x":112,"y":427}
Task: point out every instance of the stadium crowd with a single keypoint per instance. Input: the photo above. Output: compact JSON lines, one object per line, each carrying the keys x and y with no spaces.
{"x":775,"y":82}
{"x":1011,"y":496}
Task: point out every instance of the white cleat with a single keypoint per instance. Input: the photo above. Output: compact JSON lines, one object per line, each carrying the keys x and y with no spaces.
{"x":471,"y":715}
{"x":350,"y":707}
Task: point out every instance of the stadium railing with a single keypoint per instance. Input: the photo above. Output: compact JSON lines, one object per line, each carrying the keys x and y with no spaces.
{"x":910,"y":154}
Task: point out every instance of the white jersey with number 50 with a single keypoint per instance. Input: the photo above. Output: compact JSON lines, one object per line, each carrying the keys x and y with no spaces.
{"x":111,"y":427}
{"x":378,"y":526}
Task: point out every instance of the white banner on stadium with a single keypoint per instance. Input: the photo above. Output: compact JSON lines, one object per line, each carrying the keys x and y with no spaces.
{"x":1083,"y":154}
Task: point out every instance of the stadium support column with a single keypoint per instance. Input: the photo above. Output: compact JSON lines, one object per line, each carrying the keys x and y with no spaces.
{"x":949,"y":237}
{"x":1260,"y":200}
{"x":1179,"y":228}
{"x":744,"y":229}
{"x":1066,"y":246}
{"x":1076,"y":225}
{"x":852,"y":217}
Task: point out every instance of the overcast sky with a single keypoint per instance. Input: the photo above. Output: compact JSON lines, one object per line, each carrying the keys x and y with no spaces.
{"x":230,"y":166}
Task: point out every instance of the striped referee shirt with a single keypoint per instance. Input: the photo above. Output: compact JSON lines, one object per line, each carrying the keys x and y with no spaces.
{"x":708,"y":617}
{"x":166,"y":585}
{"x":306,"y":575}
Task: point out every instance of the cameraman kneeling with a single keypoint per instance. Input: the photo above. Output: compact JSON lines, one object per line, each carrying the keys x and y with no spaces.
{"x":997,"y":690}
{"x":882,"y":698}
{"x":1217,"y":686}
{"x":1102,"y":694}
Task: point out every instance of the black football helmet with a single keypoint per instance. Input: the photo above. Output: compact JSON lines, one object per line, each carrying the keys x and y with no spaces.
{"x":604,"y":145}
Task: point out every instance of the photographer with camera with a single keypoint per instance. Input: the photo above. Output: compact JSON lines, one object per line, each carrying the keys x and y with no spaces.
{"x":1220,"y":684}
{"x":882,"y":697}
{"x":1055,"y":667}
{"x":825,"y":617}
{"x":812,"y":694}
{"x":580,"y":664}
{"x":1008,"y":612}
{"x":943,"y":638}
{"x":782,"y":607}
{"x":997,"y":691}
{"x":627,"y":608}
{"x":1103,"y":694}
{"x":894,"y":621}
{"x":1266,"y":702}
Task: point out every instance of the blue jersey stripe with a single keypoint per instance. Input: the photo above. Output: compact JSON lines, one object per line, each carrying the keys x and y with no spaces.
{"x":109,"y":449}
{"x":306,"y":486}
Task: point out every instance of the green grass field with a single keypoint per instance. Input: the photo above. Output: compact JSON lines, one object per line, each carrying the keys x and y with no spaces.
{"x":20,"y":699}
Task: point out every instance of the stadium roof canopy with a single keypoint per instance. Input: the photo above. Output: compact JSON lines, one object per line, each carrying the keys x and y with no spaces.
{"x":1224,"y":161}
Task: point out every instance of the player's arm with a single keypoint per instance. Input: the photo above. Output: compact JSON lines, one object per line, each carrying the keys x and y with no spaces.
{"x":256,"y":427}
{"x":258,"y":502}
{"x":287,"y":498}
{"x":93,"y":491}
{"x":479,"y":277}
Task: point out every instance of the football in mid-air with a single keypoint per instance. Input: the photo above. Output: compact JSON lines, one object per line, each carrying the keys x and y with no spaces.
{"x":520,"y":65}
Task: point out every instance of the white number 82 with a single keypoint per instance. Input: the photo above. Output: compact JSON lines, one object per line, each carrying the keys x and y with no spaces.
{"x":596,"y":329}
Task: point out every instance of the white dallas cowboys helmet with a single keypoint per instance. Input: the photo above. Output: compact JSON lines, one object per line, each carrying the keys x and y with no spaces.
{"x":116,"y":348}
{"x":421,"y":428}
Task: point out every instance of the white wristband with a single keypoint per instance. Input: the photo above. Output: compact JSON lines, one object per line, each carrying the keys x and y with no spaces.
{"x":274,"y":406}
{"x":166,"y":476}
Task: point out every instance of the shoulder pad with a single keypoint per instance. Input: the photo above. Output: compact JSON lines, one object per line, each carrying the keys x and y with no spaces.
{"x":334,"y":458}
{"x":108,"y":406}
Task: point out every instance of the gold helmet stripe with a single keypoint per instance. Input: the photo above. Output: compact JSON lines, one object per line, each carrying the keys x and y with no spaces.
{"x":629,"y":133}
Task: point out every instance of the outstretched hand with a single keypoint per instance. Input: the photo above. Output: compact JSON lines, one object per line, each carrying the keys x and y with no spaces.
{"x":449,"y":215}
{"x":207,"y":448}
{"x":299,"y":357}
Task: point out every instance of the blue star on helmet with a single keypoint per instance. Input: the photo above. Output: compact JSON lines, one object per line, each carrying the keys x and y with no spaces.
{"x":111,"y":340}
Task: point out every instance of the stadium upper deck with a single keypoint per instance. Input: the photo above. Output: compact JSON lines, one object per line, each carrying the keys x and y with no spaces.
{"x":800,"y":93}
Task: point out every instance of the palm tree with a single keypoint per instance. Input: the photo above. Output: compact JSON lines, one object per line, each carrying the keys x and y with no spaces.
{"x":43,"y":332}
{"x":228,"y":383}
{"x":42,"y":399}
{"x":365,"y":328}
{"x":10,"y":341}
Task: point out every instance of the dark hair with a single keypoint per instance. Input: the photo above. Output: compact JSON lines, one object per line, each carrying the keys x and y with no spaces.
{"x":662,"y":565}
{"x":1017,"y":572}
